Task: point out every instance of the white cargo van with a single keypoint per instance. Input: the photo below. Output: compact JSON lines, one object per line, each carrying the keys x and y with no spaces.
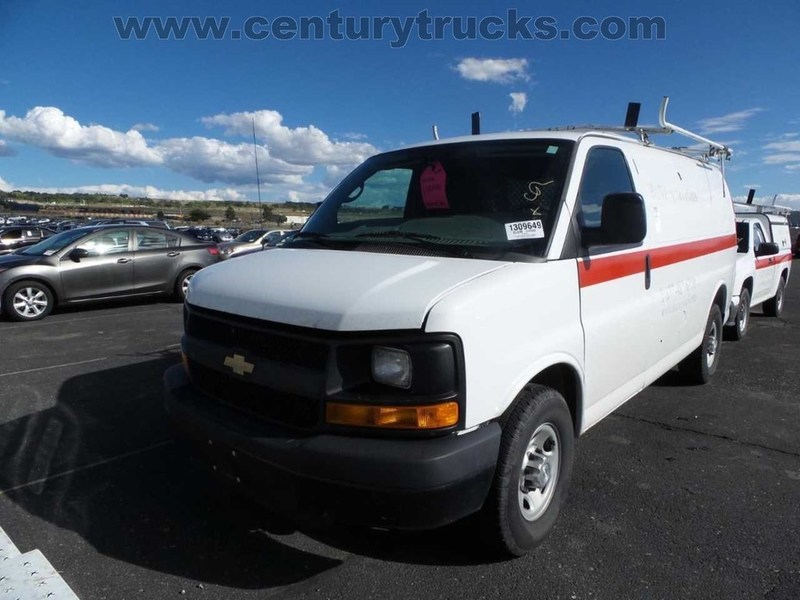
{"x":763,"y":267}
{"x":452,"y":316}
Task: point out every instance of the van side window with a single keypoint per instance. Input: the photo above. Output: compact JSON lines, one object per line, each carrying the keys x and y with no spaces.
{"x":606,"y":172}
{"x":758,"y":237}
{"x":742,"y":237}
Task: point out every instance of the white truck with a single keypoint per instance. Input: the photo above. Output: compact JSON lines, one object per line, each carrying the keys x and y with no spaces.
{"x":450,"y":319}
{"x":763,"y":266}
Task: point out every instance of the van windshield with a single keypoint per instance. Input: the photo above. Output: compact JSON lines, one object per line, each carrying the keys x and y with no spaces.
{"x":489,"y":199}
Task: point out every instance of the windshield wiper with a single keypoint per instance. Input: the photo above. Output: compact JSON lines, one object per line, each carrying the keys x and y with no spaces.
{"x":394,"y":233}
{"x":321,"y":239}
{"x":425,"y":240}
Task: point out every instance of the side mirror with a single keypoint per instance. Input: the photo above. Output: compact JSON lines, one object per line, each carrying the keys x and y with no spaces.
{"x":76,"y":254}
{"x":767,"y":249}
{"x":622,"y":221}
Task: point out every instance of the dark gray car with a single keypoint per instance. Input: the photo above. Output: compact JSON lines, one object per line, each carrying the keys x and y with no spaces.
{"x":99,"y":263}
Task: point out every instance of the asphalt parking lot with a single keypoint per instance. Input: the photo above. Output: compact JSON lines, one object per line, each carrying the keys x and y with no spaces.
{"x":685,"y":492}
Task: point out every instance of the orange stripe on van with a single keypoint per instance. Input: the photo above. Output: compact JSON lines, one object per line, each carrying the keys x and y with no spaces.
{"x":600,"y":269}
{"x":763,"y":262}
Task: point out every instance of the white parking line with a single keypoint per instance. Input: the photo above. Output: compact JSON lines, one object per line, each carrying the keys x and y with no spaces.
{"x":99,"y":463}
{"x":72,"y":364}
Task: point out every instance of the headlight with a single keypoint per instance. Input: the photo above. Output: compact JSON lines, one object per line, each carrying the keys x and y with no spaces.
{"x":391,"y":366}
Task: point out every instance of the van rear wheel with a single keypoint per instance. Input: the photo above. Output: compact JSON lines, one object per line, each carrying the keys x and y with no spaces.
{"x":701,"y":364}
{"x":533,"y":472}
{"x":774,"y":306}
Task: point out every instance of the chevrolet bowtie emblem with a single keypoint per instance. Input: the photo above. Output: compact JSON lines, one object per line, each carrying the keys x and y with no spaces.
{"x":238,"y":364}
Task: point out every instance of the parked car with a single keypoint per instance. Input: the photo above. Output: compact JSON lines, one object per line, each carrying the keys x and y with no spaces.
{"x":99,"y":263}
{"x":253,"y":239}
{"x":763,"y":267}
{"x":200,"y":233}
{"x":220,"y":235}
{"x":15,"y":237}
{"x":449,"y":320}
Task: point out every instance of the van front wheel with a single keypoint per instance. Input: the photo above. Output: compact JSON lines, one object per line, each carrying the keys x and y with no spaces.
{"x":533,"y":472}
{"x":701,"y":364}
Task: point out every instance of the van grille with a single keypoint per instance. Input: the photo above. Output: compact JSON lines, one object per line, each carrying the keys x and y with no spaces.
{"x":263,"y":403}
{"x":257,"y":338}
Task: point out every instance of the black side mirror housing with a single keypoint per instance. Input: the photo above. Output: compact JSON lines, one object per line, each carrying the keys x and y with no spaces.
{"x":76,"y":254}
{"x":767,"y":249}
{"x":622,"y":221}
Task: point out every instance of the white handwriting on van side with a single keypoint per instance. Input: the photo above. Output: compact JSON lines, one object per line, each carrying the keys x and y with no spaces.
{"x":678,"y":296}
{"x":665,"y":194}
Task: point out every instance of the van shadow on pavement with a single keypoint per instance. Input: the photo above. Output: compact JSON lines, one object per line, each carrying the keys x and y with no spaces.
{"x":154,"y":507}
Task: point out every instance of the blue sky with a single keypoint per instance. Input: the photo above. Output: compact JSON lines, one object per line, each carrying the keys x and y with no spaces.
{"x":83,"y":110}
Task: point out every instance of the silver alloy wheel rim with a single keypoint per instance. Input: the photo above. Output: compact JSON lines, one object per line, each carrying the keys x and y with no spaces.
{"x":30,"y":302}
{"x":779,"y":303}
{"x":539,"y":473}
{"x":744,"y":315}
{"x":711,"y":345}
{"x":185,"y":284}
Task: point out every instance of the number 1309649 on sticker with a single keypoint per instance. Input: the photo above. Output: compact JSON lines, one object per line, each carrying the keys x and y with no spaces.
{"x":525,"y":230}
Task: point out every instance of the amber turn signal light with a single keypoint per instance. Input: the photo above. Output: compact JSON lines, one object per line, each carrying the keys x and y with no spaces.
{"x":434,"y":416}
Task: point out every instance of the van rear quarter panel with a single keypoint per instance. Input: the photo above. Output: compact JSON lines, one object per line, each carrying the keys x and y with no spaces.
{"x":692,"y":236}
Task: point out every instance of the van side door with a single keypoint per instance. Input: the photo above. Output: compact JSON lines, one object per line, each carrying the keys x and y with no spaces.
{"x":765,"y":278}
{"x":614,"y":299}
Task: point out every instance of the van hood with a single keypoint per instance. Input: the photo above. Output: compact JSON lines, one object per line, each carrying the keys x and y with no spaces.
{"x":332,"y":289}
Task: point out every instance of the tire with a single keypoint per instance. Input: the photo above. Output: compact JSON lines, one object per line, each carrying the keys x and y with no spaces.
{"x":28,"y":301}
{"x":182,"y":283}
{"x":738,"y":330}
{"x":774,"y":306}
{"x":533,"y":472}
{"x":699,"y":367}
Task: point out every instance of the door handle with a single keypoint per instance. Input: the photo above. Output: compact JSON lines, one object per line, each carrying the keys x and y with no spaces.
{"x":647,"y":272}
{"x":173,"y":253}
{"x":123,"y":261}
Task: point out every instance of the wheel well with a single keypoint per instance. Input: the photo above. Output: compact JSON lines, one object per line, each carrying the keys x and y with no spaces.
{"x":719,"y":300}
{"x":785,"y":275}
{"x":43,"y":282}
{"x":565,"y":380}
{"x":748,"y":285}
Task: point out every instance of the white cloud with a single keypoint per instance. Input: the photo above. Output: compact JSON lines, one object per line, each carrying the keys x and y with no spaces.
{"x":731,"y":122}
{"x":782,"y":158}
{"x":210,"y":160}
{"x":49,"y":128}
{"x":285,"y":158}
{"x":792,"y":146}
{"x":354,"y":136}
{"x":753,"y":186}
{"x":145,"y":127}
{"x":4,"y":185}
{"x":148,"y":191}
{"x":495,"y":70}
{"x":518,"y":102}
{"x":6,"y":150}
{"x":299,"y":145}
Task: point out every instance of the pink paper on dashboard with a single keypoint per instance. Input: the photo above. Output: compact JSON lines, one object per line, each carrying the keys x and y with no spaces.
{"x":432,"y":184}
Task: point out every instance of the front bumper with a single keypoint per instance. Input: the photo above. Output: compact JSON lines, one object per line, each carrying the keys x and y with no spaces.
{"x":393,"y":483}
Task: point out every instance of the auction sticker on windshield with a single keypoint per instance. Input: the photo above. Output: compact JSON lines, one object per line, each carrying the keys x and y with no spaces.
{"x":525,"y":230}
